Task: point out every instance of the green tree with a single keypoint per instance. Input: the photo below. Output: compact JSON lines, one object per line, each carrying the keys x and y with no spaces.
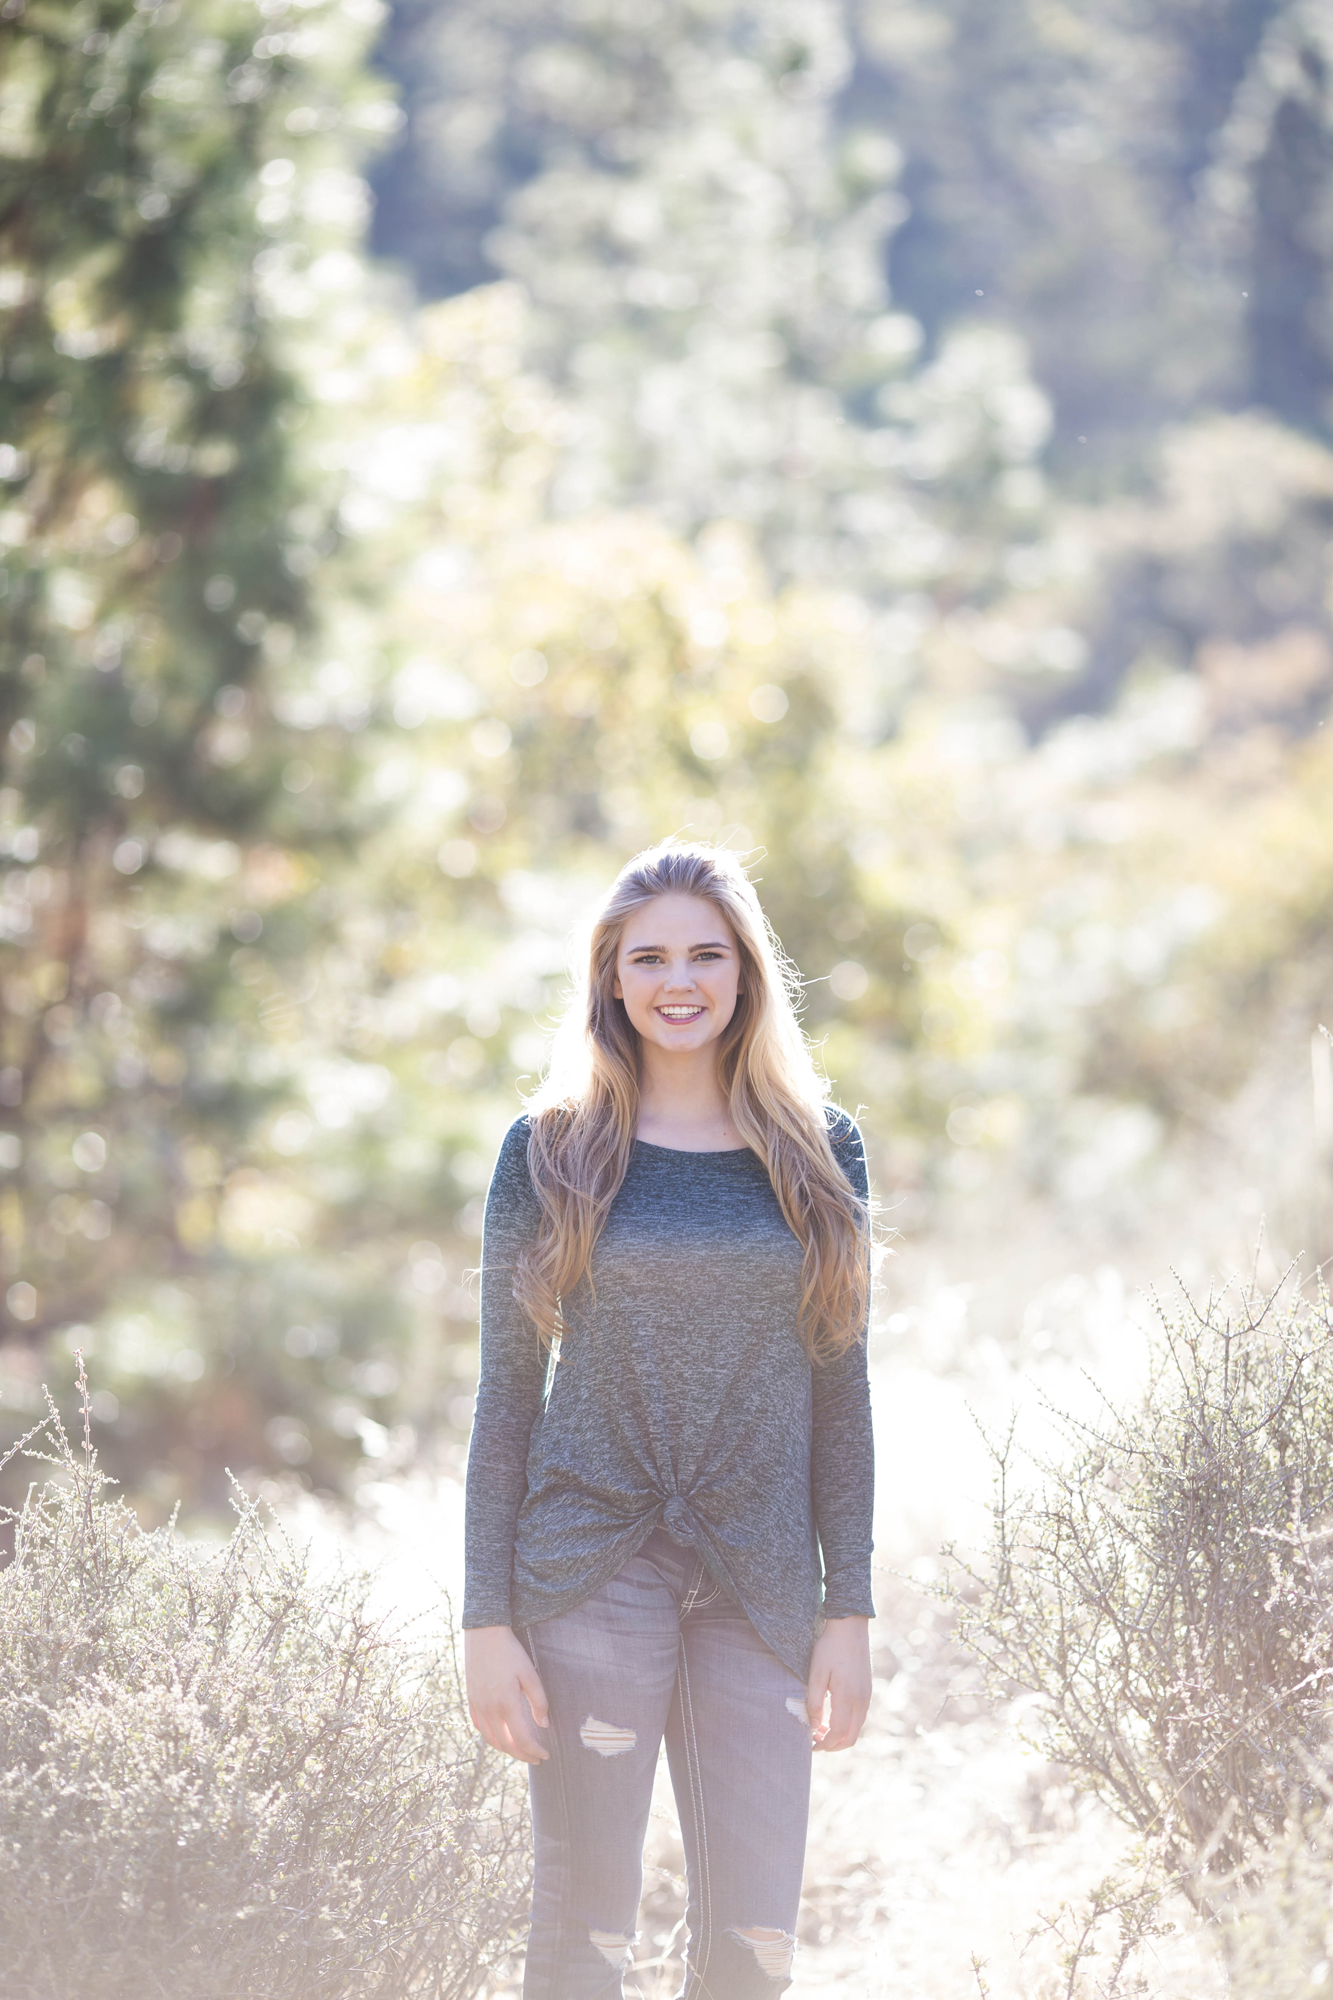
{"x":1142,"y":190}
{"x":703,"y":249}
{"x":166,"y":177}
{"x":356,"y":645}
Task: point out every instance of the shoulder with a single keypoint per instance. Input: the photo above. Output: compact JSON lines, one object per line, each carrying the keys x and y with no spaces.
{"x":848,"y":1146}
{"x":516,"y":1138}
{"x":511,"y":1200}
{"x":843,"y":1132}
{"x":511,"y":1162}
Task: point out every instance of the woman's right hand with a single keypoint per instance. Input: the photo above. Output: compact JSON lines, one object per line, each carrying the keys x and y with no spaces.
{"x":504,"y":1692}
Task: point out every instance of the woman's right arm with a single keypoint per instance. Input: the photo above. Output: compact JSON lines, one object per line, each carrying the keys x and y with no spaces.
{"x":502,"y":1681}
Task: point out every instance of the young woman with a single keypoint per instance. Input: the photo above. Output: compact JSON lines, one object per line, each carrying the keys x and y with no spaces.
{"x":669,"y":1484}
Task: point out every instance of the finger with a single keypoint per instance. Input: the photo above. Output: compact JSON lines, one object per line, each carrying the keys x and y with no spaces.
{"x":848,"y":1714}
{"x":530,"y":1682}
{"x":519,"y":1730}
{"x":815,"y":1703}
{"x":481,"y":1722}
{"x":830,"y":1737}
{"x":520,"y":1753}
{"x":489,"y":1733}
{"x":508,"y":1734}
{"x":838,"y":1739}
{"x":510,"y":1744}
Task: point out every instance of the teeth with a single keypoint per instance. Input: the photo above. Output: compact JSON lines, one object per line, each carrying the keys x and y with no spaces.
{"x":680,"y":1013}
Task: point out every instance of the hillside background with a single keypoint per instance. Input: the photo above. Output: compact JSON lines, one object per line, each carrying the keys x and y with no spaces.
{"x":445,"y":447}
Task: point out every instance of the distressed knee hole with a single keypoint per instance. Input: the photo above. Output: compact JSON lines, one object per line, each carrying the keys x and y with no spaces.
{"x":608,"y":1739}
{"x":614,"y":1947}
{"x":772,"y":1949}
{"x":797,"y":1707}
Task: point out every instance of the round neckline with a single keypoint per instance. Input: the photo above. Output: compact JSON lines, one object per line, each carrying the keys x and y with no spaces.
{"x":694,"y":1152}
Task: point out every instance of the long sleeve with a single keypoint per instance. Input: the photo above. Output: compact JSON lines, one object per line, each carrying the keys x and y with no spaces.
{"x":842,"y":1451}
{"x":509,"y":1392}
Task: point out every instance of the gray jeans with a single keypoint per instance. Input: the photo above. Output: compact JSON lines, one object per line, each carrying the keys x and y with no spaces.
{"x":659,"y":1651}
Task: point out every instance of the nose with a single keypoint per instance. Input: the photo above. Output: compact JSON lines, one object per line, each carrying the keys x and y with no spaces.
{"x":680,"y":977}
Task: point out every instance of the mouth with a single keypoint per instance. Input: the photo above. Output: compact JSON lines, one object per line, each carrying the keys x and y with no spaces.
{"x":681,"y":1014}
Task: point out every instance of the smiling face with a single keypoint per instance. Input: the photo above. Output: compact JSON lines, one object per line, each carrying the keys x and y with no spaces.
{"x":678,"y":973}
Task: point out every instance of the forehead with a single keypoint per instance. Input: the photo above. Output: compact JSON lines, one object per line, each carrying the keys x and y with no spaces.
{"x":676,"y":920}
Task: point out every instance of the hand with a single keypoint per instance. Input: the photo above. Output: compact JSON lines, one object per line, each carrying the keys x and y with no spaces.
{"x":838,"y":1693}
{"x":504,"y":1693}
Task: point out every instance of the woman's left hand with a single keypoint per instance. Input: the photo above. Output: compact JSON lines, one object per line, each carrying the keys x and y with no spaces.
{"x":838,"y":1693}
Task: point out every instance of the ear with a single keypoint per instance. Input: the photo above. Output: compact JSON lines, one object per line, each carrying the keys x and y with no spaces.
{"x":617,"y":989}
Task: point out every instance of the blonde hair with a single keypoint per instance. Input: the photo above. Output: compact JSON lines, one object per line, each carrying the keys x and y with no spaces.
{"x":584,"y":1116}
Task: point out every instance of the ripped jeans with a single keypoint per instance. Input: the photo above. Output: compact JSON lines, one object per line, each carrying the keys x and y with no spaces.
{"x":661,"y":1650}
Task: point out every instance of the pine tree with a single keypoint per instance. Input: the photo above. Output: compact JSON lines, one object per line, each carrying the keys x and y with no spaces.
{"x":168,"y":175}
{"x":703,"y":249}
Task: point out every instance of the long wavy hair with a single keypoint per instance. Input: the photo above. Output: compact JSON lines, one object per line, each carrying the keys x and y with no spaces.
{"x":584,"y":1116}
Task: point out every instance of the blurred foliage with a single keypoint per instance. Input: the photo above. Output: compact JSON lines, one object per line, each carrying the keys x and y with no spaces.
{"x":351,"y":643}
{"x":1138,"y":186}
{"x":1282,"y":1945}
{"x":165,"y":179}
{"x":1142,"y":189}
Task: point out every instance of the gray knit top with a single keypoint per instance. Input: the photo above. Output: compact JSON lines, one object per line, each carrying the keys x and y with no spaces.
{"x":682,"y":1396}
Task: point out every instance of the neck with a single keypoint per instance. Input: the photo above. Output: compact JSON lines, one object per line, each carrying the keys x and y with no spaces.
{"x":682,"y":1102}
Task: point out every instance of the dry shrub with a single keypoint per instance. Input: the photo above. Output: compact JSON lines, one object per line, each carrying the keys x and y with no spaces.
{"x":1282,"y":1945}
{"x":220,"y":1776}
{"x":1167,"y":1591}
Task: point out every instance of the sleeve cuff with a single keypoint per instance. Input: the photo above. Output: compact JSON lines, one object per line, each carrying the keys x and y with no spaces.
{"x":475,"y":1615}
{"x":847,"y":1600}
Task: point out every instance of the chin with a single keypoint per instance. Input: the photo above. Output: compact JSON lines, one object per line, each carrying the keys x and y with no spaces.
{"x":692,"y":1037}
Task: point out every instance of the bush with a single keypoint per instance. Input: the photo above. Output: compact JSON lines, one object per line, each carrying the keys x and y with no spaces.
{"x":220,"y":1776}
{"x":1282,"y":1945}
{"x":1167,"y":1592}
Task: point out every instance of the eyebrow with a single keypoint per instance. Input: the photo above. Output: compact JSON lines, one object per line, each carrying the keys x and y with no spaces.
{"x":709,"y":944}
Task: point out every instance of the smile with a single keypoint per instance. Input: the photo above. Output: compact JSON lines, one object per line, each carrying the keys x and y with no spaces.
{"x":680,"y":1013}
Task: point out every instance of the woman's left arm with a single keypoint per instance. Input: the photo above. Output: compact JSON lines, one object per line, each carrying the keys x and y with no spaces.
{"x":843,"y":1483}
{"x":842,"y":1476}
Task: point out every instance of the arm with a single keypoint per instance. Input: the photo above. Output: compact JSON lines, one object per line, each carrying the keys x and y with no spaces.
{"x":504,"y":1692}
{"x":502,"y":1682}
{"x":842,"y":1474}
{"x":837,"y":1695}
